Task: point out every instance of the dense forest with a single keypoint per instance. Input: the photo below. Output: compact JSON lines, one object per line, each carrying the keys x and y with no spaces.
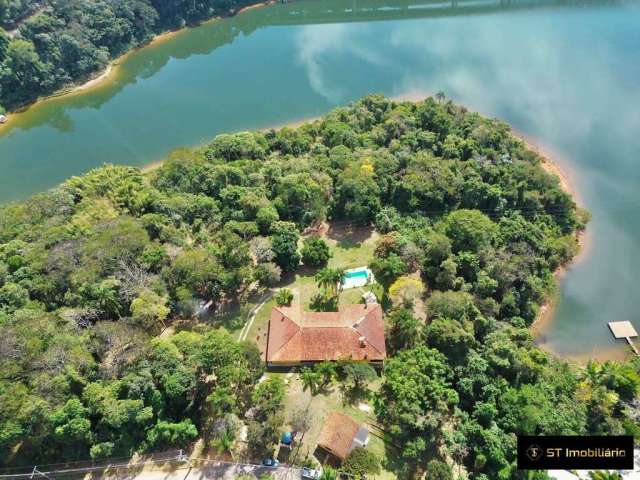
{"x":92,"y":271}
{"x":60,"y":42}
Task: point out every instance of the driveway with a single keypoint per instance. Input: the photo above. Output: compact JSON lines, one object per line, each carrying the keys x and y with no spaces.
{"x":205,"y":470}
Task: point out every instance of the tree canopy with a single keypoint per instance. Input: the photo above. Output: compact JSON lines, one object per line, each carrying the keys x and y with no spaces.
{"x":62,"y":42}
{"x":472,"y":231}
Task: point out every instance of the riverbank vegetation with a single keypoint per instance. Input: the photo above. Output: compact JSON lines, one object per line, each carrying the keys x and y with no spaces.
{"x":58,"y":43}
{"x":98,"y":275}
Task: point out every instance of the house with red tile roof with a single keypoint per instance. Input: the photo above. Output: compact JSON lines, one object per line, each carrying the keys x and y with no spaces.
{"x":341,"y":434}
{"x":354,"y":332}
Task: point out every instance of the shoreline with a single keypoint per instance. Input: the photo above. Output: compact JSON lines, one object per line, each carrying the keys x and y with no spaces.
{"x":563,"y":172}
{"x":545,"y":316}
{"x":566,"y":181}
{"x":99,"y":78}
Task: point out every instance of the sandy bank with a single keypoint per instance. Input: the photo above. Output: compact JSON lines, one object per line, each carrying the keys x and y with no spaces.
{"x":94,"y":81}
{"x":256,"y":5}
{"x":567,"y":183}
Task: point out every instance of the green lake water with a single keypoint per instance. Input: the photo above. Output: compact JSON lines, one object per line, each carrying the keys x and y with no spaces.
{"x":566,"y":73}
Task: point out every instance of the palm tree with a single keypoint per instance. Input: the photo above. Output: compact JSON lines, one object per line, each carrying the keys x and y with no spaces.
{"x":224,"y":443}
{"x":405,"y":331}
{"x":310,"y":379}
{"x":330,"y":281}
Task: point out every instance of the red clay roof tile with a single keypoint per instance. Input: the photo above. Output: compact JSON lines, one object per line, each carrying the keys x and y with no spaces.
{"x":337,"y":434}
{"x":298,"y":336}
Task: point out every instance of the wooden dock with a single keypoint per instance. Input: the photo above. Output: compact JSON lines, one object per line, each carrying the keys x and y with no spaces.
{"x":625,"y":330}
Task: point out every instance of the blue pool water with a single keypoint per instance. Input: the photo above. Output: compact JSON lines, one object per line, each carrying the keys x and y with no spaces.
{"x":356,"y":278}
{"x":357,"y":274}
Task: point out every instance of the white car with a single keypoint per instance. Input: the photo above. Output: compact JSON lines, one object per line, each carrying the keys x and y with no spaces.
{"x":310,"y":473}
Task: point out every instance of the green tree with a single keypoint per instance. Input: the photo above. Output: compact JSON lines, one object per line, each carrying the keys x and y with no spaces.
{"x":23,"y":72}
{"x":404,"y":330}
{"x":284,"y":241}
{"x":72,"y":428}
{"x":268,"y":274}
{"x":359,"y":374}
{"x":315,"y":252}
{"x":388,"y":270}
{"x":171,"y":435}
{"x":268,"y":397}
{"x":327,"y":370}
{"x":329,"y":280}
{"x":311,"y":380}
{"x":149,"y":309}
{"x":438,"y":470}
{"x":469,"y":230}
{"x":361,"y":462}
{"x":223,"y":433}
{"x":415,"y":399}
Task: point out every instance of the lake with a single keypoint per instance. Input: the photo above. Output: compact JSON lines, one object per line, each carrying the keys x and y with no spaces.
{"x":566,"y":73}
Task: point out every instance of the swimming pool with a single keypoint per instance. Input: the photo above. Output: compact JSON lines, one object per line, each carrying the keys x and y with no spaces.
{"x":357,"y":277}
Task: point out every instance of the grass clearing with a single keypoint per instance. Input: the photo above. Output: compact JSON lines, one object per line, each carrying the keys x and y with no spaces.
{"x":320,"y":406}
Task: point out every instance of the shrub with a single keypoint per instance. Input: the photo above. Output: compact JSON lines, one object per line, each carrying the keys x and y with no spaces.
{"x":438,"y":470}
{"x":315,"y":252}
{"x":284,"y":297}
{"x":361,"y":462}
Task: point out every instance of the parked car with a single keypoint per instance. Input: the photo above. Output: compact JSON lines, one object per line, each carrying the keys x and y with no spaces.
{"x":270,"y":462}
{"x":310,"y":473}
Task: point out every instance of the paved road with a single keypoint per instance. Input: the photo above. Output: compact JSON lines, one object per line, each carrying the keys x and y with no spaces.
{"x":206,"y":471}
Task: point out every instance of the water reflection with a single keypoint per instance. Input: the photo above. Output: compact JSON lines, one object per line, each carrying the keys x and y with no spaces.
{"x":203,"y":40}
{"x":567,"y":79}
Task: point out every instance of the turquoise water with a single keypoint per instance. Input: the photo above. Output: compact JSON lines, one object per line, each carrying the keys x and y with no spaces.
{"x":357,"y":274}
{"x":566,"y":73}
{"x":355,"y":278}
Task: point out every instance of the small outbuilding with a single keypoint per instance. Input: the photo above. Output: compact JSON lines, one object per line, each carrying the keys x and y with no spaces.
{"x":341,"y":434}
{"x":369,"y":298}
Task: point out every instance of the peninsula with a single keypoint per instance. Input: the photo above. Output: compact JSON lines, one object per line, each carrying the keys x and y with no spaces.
{"x":124,"y":298}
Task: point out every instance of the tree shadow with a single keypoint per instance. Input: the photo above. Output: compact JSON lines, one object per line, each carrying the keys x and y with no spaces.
{"x":349,"y":235}
{"x":353,"y":394}
{"x":320,"y":303}
{"x":231,"y":316}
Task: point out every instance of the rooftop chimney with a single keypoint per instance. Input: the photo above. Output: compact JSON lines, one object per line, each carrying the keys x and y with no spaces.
{"x":363,"y":342}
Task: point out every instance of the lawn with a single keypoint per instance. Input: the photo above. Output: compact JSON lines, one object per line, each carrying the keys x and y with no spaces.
{"x":351,"y":246}
{"x":320,"y":406}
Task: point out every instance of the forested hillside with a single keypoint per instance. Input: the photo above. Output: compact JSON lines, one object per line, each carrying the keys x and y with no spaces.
{"x":92,"y":271}
{"x":65,"y":41}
